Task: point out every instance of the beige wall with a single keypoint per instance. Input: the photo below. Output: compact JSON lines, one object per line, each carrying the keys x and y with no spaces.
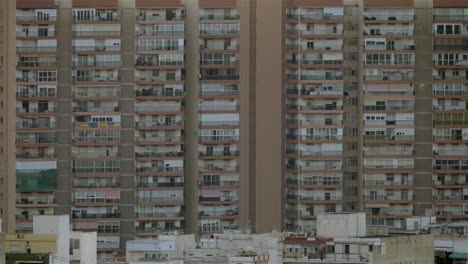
{"x":401,"y":249}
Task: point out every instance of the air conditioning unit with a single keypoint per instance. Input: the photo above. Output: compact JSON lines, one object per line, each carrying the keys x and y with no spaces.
{"x":19,"y":236}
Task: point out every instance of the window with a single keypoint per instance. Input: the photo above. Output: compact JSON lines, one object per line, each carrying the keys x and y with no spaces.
{"x":346,"y":248}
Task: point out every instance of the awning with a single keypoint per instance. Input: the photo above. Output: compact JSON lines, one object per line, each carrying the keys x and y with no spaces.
{"x":456,"y":255}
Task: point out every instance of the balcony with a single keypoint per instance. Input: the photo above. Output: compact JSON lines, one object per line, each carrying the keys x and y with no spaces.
{"x":450,"y":78}
{"x":37,"y":49}
{"x":146,"y":32}
{"x":389,"y":17}
{"x":96,"y":33}
{"x":152,"y":17}
{"x":227,"y":62}
{"x":332,"y":197}
{"x":160,"y":169}
{"x":159,"y":199}
{"x":159,"y":124}
{"x":395,"y":197}
{"x":313,"y":77}
{"x":160,"y":48}
{"x":219,"y":153}
{"x":315,"y":62}
{"x":314,"y":17}
{"x":35,"y":79}
{"x":213,"y":32}
{"x":219,"y":77}
{"x":390,"y":212}
{"x":389,"y":183}
{"x":36,"y":64}
{"x":160,"y":154}
{"x":378,"y":32}
{"x":104,"y":17}
{"x":450,"y":93}
{"x":451,"y":197}
{"x":96,"y":185}
{"x":313,"y":32}
{"x":219,"y":213}
{"x":389,"y":166}
{"x":159,"y":78}
{"x":35,"y":94}
{"x":159,"y":214}
{"x":95,"y":79}
{"x":219,"y":199}
{"x":100,"y":93}
{"x":219,"y":138}
{"x":315,"y":47}
{"x":43,"y":18}
{"x":313,"y":152}
{"x":314,"y":122}
{"x":450,"y":17}
{"x":219,"y":183}
{"x":96,"y":48}
{"x":219,"y":93}
{"x":389,"y":107}
{"x":85,"y":215}
{"x":219,"y":47}
{"x":388,"y":151}
{"x":389,"y":62}
{"x":318,"y":167}
{"x":88,"y":109}
{"x":218,"y":107}
{"x":326,"y":107}
{"x":389,"y":122}
{"x":448,"y":137}
{"x":90,"y":200}
{"x":26,"y":201}
{"x":159,"y":139}
{"x":34,"y":33}
{"x":24,"y":124}
{"x":95,"y":154}
{"x":389,"y":47}
{"x":450,"y":47}
{"x":315,"y":137}
{"x":96,"y":170}
{"x":157,"y":93}
{"x":38,"y":139}
{"x":97,"y":63}
{"x":159,"y":230}
{"x":220,"y":17}
{"x":217,"y":228}
{"x":449,"y":167}
{"x":218,"y":168}
{"x":314,"y":182}
{"x":159,"y":184}
{"x":160,"y":63}
{"x":28,"y":155}
{"x":388,"y":78}
{"x":96,"y":125}
{"x":115,"y":245}
{"x":219,"y":123}
{"x":158,"y":108}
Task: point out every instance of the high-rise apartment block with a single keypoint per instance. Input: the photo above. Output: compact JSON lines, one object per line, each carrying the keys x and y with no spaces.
{"x":140,"y":117}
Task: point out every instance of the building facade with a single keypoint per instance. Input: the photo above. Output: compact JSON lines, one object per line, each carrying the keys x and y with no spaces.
{"x":143,"y":117}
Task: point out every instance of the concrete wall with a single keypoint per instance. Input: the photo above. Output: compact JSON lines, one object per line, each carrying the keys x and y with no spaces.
{"x":88,"y":244}
{"x":341,"y":225}
{"x":407,"y":249}
{"x":55,"y":225}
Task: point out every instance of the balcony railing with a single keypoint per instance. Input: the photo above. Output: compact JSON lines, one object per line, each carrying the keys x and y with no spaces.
{"x":389,"y":183}
{"x":217,"y":228}
{"x":451,"y":197}
{"x":374,"y":32}
{"x":315,"y":47}
{"x":96,"y":63}
{"x":96,"y":170}
{"x":96,"y":48}
{"x":450,"y":47}
{"x":151,"y":92}
{"x":389,"y":62}
{"x":151,"y":17}
{"x":389,"y":107}
{"x":143,"y":32}
{"x":160,"y":48}
{"x":388,"y":151}
{"x":450,"y":167}
{"x":103,"y":93}
{"x":159,"y":199}
{"x":160,"y":184}
{"x":319,"y":167}
{"x":98,"y":140}
{"x":314,"y":16}
{"x":389,"y":17}
{"x":450,"y":17}
{"x":219,"y":47}
{"x":219,"y":138}
{"x":157,"y":230}
{"x":158,"y":139}
{"x":315,"y":137}
{"x":44,"y":18}
{"x":330,"y":107}
{"x":96,"y":154}
{"x":160,"y":63}
{"x":159,"y":78}
{"x":218,"y":107}
{"x":390,"y":137}
{"x":34,"y":94}
{"x":95,"y":200}
{"x":159,"y":124}
{"x":314,"y":77}
{"x":219,"y":199}
{"x":219,"y":17}
{"x":159,"y":108}
{"x":332,"y":197}
{"x":219,"y":93}
{"x":35,"y":79}
{"x":36,"y":201}
{"x":219,"y":213}
{"x":314,"y":32}
{"x":389,"y":47}
{"x":159,"y":214}
{"x":160,"y":169}
{"x":314,"y":182}
{"x":313,"y":153}
{"x":95,"y":109}
{"x":396,"y":197}
{"x":84,"y":215}
{"x":219,"y":168}
{"x":35,"y":140}
{"x":219,"y":32}
{"x":450,"y":78}
{"x":390,"y":166}
{"x":96,"y":185}
{"x":449,"y":212}
{"x":96,"y":125}
{"x":95,"y":78}
{"x":219,"y":153}
{"x":230,"y":62}
{"x":20,"y":124}
{"x":37,"y":49}
{"x":220,"y":183}
{"x":34,"y":33}
{"x":388,"y":78}
{"x":115,"y":245}
{"x":104,"y":17}
{"x":28,"y":155}
{"x":160,"y":154}
{"x":96,"y":33}
{"x":450,"y":93}
{"x":219,"y":123}
{"x":36,"y":64}
{"x":317,"y":122}
{"x":220,"y":77}
{"x":315,"y":62}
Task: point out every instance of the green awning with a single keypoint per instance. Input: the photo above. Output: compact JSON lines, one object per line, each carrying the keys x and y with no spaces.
{"x":456,"y":255}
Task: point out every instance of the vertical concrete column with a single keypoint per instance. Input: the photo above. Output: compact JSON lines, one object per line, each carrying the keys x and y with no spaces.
{"x":423,"y":111}
{"x":8,"y":114}
{"x":192,"y":87}
{"x":127,"y":133}
{"x":64,"y":116}
{"x":269,"y":104}
{"x":247,"y":112}
{"x":353,"y":53}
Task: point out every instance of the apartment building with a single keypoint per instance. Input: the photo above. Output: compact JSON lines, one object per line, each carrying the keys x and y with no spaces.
{"x":140,"y":118}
